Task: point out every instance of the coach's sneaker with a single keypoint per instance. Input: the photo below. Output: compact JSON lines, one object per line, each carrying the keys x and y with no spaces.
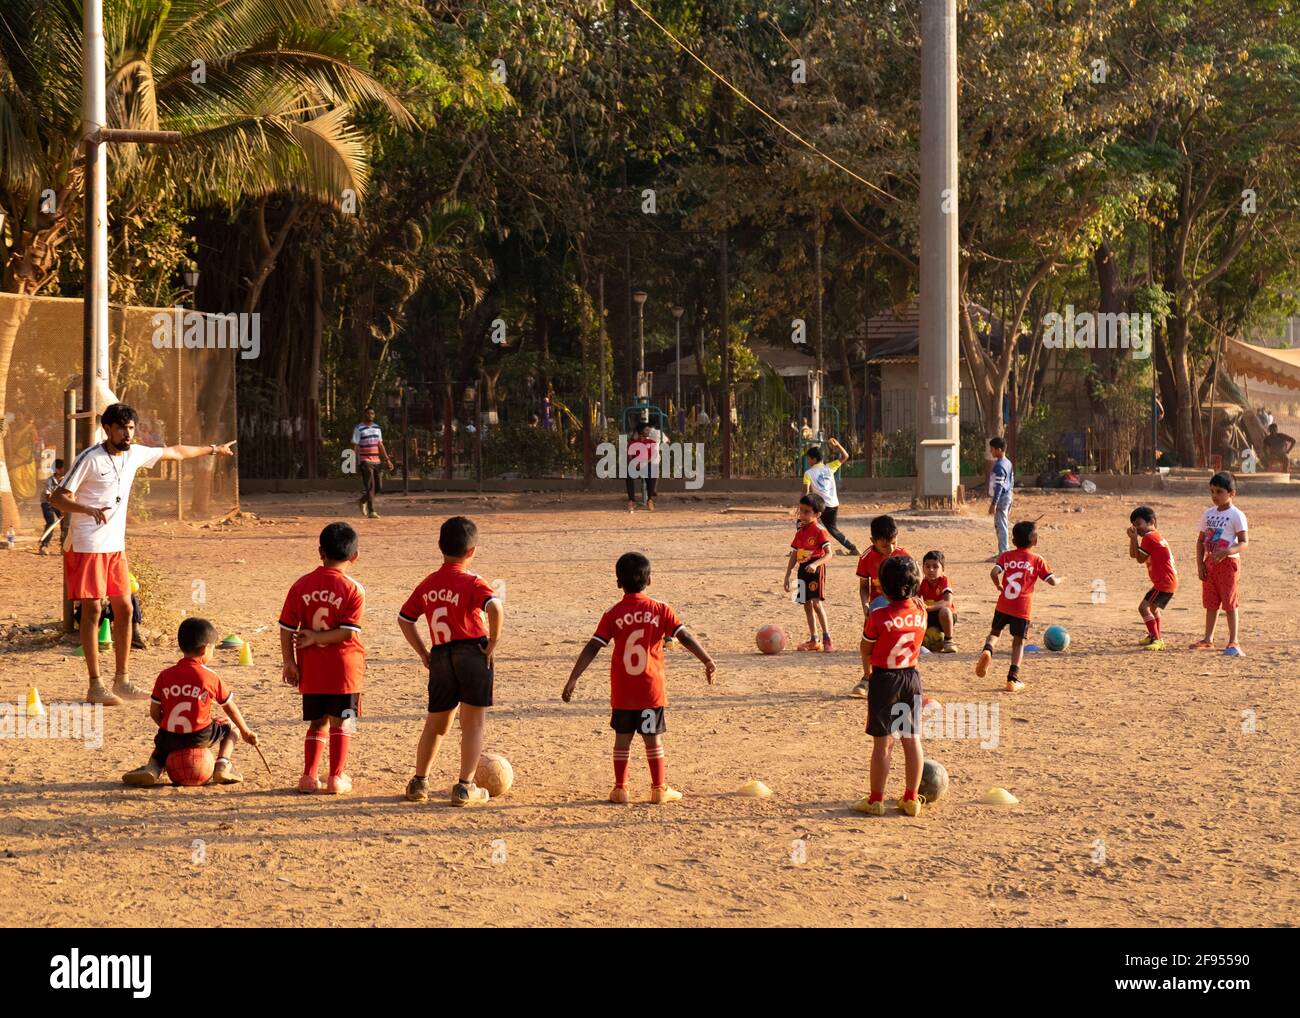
{"x":309,"y":784}
{"x":1232,"y":650}
{"x":417,"y":789}
{"x":1154,"y":645}
{"x":143,"y":777}
{"x":339,"y":784}
{"x":125,"y":689}
{"x":224,"y":773}
{"x":631,"y":507}
{"x":99,"y":693}
{"x":1201,"y":645}
{"x":948,"y":647}
{"x":373,"y":515}
{"x":662,"y":794}
{"x":871,"y":809}
{"x":912,"y":807}
{"x":466,"y":793}
{"x":860,"y":690}
{"x":618,"y":794}
{"x":827,"y":646}
{"x":982,"y":665}
{"x":1014,"y":685}
{"x":361,"y":504}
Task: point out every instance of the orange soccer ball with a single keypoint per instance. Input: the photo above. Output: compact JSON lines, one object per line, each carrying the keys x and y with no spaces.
{"x":191,"y":766}
{"x":770,"y":639}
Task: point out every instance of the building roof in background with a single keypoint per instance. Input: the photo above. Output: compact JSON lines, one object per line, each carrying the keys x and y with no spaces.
{"x":893,"y":337}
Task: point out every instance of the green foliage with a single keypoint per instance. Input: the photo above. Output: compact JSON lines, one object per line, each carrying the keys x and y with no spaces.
{"x":530,"y":452}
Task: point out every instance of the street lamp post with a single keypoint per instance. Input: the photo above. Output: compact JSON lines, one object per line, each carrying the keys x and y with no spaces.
{"x":677,"y":314}
{"x":640,"y":297}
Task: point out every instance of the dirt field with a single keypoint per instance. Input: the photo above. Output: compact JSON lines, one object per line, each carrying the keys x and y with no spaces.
{"x":1144,"y":800}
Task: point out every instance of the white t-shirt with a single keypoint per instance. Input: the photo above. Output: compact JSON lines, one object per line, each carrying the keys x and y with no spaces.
{"x":822,"y":479}
{"x":1221,"y":527}
{"x":103,"y":481}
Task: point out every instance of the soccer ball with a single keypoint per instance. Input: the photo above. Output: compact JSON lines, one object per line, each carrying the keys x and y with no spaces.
{"x":934,"y":780}
{"x":933,"y":638}
{"x":770,"y":639}
{"x":191,"y":766}
{"x":1056,"y":638}
{"x":495,"y":774}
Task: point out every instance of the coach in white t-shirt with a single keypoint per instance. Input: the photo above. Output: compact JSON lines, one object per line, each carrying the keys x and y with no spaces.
{"x":95,"y":495}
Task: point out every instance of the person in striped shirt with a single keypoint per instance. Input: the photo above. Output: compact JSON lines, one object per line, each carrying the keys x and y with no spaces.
{"x":368,"y":444}
{"x":52,"y":515}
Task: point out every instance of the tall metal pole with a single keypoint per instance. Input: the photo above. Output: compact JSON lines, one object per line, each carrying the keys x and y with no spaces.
{"x":817,"y":397}
{"x":725,"y":343}
{"x":94,"y":116}
{"x":938,"y":386}
{"x":602,"y":348}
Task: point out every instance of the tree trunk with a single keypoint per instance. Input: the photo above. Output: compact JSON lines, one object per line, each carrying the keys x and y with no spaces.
{"x":12,"y":315}
{"x":1184,"y":419}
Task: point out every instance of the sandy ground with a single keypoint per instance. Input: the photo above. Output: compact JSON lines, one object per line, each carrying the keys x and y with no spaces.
{"x":1144,"y":798}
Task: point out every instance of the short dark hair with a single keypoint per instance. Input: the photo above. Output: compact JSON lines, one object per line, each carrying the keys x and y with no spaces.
{"x":933,"y":556}
{"x":899,"y":577}
{"x":118,"y":413}
{"x":338,"y":542}
{"x":195,"y":634}
{"x":884,"y":527}
{"x":457,"y":536}
{"x":1142,"y":512}
{"x":58,"y":464}
{"x":1023,"y":533}
{"x":1272,"y":427}
{"x":1224,"y":479}
{"x":998,"y":442}
{"x":815,"y":454}
{"x":633,"y":571}
{"x":814,"y":502}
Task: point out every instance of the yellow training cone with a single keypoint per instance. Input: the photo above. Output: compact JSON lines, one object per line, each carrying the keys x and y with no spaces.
{"x":755,"y":789}
{"x":245,"y":655}
{"x":999,"y":797}
{"x":34,"y":706}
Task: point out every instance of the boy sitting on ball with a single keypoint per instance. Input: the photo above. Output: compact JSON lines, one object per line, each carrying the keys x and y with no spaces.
{"x":181,"y":707}
{"x":1017,"y":571}
{"x":936,"y":592}
{"x":637,"y":626}
{"x":891,"y":647}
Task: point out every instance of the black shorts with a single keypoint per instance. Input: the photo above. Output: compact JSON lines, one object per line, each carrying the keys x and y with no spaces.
{"x":165,"y":743}
{"x":932,"y":618}
{"x":459,"y":673}
{"x":647,"y":721}
{"x":893,"y":695}
{"x":812,"y":584}
{"x":1018,"y":626}
{"x":1158,"y":598}
{"x":330,"y":705}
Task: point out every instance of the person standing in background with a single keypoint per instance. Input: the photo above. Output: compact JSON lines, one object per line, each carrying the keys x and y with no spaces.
{"x":820,"y":478}
{"x":368,"y":444}
{"x":1002,"y":480}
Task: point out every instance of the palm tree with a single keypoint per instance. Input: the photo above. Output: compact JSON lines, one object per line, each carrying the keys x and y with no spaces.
{"x":263,"y":92}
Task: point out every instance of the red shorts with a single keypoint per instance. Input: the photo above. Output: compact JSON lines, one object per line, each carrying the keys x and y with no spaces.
{"x":1219,"y":588}
{"x":96,"y":574}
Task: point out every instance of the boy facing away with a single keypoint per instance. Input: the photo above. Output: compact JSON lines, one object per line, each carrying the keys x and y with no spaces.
{"x":884,"y":545}
{"x":637,"y":626}
{"x":1147,"y":546}
{"x":809,"y":551}
{"x":181,"y":707}
{"x":460,"y":659}
{"x":891,"y":647}
{"x":1015,"y":574}
{"x":322,"y":655}
{"x":1218,"y":561}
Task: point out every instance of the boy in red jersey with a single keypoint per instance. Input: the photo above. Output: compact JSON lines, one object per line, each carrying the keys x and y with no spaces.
{"x":181,"y":707}
{"x":1016,"y":573}
{"x":884,"y":544}
{"x":891,"y":646}
{"x":453,"y":601}
{"x":1146,"y":545}
{"x":809,"y":551}
{"x":637,"y":626}
{"x":321,"y":621}
{"x":936,"y":592}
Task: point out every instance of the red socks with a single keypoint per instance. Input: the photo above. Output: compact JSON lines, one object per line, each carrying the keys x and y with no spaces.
{"x":654,"y":756}
{"x":339,"y":740}
{"x":312,"y":751}
{"x":621,"y":759}
{"x":1153,"y":627}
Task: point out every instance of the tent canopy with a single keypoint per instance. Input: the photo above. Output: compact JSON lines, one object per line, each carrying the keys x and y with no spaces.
{"x":1265,"y":364}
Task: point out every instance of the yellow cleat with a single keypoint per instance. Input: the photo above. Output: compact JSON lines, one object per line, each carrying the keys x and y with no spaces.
{"x":1154,"y":645}
{"x":619,"y":794}
{"x":871,"y":809}
{"x":982,"y":665}
{"x":662,"y":794}
{"x":912,"y":807}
